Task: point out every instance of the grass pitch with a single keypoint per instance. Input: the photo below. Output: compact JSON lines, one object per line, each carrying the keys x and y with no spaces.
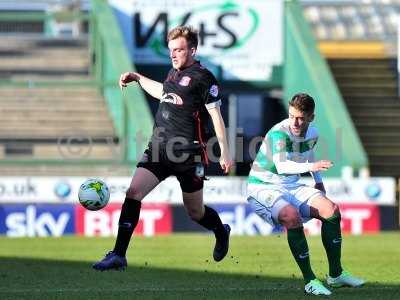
{"x":181,"y":267}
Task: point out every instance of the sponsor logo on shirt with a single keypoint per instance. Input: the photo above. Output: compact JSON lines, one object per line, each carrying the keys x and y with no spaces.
{"x":172,"y":98}
{"x":185,"y":80}
{"x":214,"y":90}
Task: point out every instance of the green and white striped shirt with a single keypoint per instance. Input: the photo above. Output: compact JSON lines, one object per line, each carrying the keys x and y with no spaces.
{"x":283,"y":157}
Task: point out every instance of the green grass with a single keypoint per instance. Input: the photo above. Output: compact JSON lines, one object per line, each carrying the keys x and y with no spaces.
{"x":181,"y":267}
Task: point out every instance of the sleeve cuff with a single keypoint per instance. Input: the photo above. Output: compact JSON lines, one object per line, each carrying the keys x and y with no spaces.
{"x":214,"y":104}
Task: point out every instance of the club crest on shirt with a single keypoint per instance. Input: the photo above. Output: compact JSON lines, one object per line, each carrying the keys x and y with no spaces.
{"x":214,"y":90}
{"x":185,"y":80}
{"x":280,"y":145}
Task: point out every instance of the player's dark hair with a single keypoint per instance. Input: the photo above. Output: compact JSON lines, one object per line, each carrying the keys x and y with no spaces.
{"x":188,"y":32}
{"x":303,"y":102}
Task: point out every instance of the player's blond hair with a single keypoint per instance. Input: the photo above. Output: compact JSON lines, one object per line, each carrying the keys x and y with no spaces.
{"x":187,"y":32}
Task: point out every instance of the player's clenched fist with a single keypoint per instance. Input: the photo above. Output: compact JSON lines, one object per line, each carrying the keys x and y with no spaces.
{"x":127,"y":77}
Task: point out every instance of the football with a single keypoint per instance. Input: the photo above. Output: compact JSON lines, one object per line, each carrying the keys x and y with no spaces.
{"x":94,"y":194}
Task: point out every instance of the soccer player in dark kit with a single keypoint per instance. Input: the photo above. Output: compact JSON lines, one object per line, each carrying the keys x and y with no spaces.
{"x":188,"y":96}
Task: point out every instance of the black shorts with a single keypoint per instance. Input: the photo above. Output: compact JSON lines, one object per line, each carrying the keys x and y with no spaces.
{"x":185,"y":164}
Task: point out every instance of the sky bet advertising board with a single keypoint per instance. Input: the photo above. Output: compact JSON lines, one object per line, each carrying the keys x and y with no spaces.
{"x":43,"y":220}
{"x":48,"y":206}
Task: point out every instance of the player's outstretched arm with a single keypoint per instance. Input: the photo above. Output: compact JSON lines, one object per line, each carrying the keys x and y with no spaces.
{"x":225,"y":161}
{"x":154,"y":88}
{"x":286,"y":166}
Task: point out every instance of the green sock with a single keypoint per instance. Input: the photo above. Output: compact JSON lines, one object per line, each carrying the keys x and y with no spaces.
{"x":332,"y":240}
{"x":298,"y":245}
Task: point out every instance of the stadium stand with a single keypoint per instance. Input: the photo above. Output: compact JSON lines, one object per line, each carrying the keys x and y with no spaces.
{"x":358,"y":38}
{"x":51,"y":110}
{"x":353,"y":20}
{"x":48,"y":113}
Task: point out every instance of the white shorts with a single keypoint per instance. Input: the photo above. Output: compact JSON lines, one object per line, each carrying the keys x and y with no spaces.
{"x":268,"y":199}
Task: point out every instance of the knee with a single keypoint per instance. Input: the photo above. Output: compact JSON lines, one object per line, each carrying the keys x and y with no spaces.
{"x":336,"y":209}
{"x":290,"y":217}
{"x":329,"y":210}
{"x":195,"y":214}
{"x":134,"y":193}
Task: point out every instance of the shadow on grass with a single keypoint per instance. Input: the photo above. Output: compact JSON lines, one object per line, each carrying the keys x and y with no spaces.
{"x":22,"y":278}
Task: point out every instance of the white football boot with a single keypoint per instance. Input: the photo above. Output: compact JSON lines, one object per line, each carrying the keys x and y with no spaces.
{"x":315,"y":287}
{"x":345,"y":279}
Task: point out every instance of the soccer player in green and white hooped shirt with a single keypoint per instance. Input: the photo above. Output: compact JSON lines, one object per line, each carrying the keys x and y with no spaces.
{"x":275,"y":194}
